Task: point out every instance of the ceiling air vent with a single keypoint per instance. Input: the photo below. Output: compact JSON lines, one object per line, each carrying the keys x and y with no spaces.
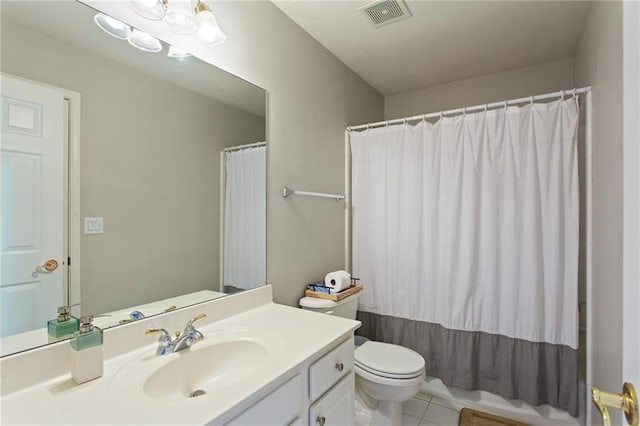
{"x":385,"y":12}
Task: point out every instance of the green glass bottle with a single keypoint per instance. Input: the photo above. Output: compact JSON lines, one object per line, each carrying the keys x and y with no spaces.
{"x":87,"y":335}
{"x":64,"y":325}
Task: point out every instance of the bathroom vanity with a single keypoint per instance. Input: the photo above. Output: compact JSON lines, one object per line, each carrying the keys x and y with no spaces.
{"x":259,"y":363}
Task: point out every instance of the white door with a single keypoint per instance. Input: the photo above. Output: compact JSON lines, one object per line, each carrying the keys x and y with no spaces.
{"x":32,"y":188}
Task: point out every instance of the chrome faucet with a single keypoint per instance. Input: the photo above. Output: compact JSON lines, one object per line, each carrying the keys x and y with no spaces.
{"x":183,"y":340}
{"x":189,"y":336}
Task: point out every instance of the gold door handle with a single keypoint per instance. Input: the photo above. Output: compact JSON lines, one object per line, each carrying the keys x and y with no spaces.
{"x":626,"y":401}
{"x":48,"y":266}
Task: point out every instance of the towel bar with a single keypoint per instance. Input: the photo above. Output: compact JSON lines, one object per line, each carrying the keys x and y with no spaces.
{"x":288,"y":191}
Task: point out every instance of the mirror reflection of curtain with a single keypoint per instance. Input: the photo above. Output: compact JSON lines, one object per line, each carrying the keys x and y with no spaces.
{"x":244,"y":257}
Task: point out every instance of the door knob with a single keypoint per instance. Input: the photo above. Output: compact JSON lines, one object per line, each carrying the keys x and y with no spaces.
{"x":48,"y":266}
{"x":627,"y":401}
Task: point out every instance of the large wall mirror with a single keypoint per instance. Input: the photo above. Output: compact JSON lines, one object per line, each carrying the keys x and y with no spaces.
{"x":166,"y":155}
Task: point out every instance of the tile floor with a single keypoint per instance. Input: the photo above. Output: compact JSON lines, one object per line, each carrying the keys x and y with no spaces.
{"x":423,"y":410}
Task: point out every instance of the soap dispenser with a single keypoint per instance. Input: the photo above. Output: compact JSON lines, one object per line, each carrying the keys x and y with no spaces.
{"x":64,"y":325}
{"x":86,"y":352}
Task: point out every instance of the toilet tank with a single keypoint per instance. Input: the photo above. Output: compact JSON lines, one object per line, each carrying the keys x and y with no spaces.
{"x":345,"y":308}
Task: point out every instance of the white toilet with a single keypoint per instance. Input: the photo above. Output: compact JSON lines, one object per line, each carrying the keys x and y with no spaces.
{"x":386,"y":375}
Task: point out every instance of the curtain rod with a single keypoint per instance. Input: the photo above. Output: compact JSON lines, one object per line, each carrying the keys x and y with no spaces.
{"x":457,"y":111}
{"x":240,"y":147}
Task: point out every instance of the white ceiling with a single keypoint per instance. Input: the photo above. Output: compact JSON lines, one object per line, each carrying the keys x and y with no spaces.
{"x":72,"y":23}
{"x":442,"y":41}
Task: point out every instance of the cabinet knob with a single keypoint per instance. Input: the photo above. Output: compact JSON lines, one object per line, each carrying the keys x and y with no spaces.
{"x":321,"y":420}
{"x":339,"y":366}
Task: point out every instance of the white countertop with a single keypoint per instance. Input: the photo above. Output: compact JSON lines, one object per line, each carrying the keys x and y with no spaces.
{"x":293,"y":335}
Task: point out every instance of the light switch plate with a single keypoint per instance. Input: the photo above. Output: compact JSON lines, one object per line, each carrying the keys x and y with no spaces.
{"x":93,"y":225}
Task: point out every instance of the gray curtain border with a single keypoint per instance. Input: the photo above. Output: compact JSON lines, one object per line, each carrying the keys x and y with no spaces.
{"x":537,"y":373}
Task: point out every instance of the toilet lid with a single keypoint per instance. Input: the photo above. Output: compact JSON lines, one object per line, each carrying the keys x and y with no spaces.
{"x":388,"y":360}
{"x":316,"y":303}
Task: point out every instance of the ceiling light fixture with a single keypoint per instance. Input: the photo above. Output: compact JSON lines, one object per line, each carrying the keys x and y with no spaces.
{"x":179,"y":17}
{"x":112,"y":26}
{"x":144,"y":41}
{"x":209,"y":31}
{"x":136,"y":38}
{"x":150,"y":9}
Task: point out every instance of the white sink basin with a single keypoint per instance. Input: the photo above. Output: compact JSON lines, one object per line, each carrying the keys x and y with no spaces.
{"x":225,"y":361}
{"x":196,"y":371}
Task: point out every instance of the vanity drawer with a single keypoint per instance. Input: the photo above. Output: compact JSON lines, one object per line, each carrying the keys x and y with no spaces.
{"x":330,"y":368}
{"x":280,"y":407}
{"x":336,"y":408}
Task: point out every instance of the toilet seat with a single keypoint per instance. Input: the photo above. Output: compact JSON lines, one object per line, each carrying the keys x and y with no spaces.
{"x":387,"y":375}
{"x":396,"y":383}
{"x":388,"y":361}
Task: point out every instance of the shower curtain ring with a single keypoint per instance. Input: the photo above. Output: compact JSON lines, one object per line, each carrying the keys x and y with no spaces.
{"x":506,"y":104}
{"x":575,"y":92}
{"x":531,"y":100}
{"x":561,"y":94}
{"x":486,"y":107}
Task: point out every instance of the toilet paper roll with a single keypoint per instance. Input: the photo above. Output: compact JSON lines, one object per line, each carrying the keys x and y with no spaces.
{"x":337,"y":281}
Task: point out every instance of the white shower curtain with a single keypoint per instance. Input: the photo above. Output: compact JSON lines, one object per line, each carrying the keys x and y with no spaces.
{"x":471,"y":225}
{"x":244,"y":264}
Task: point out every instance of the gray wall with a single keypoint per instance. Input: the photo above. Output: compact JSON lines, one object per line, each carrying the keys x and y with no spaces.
{"x":532,"y":80}
{"x":598,"y":62}
{"x":313,"y":97}
{"x":150,"y":166}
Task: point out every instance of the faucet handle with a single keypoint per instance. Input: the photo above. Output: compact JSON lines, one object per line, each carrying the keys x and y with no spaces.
{"x":194,"y":319}
{"x":199,"y":317}
{"x":164,"y":334}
